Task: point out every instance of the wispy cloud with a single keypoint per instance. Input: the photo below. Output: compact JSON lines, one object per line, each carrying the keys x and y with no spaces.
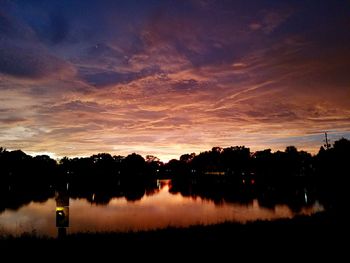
{"x":166,"y":79}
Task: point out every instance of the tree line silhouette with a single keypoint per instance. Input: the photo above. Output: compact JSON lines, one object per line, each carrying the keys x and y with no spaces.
{"x":233,"y":174}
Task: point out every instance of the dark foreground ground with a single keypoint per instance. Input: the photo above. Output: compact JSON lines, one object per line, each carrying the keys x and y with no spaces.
{"x":319,"y":236}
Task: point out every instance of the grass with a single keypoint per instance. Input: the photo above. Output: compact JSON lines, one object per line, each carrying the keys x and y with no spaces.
{"x":319,"y":232}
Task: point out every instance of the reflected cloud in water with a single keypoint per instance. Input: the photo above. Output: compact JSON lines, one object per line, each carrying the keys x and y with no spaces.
{"x":156,"y":209}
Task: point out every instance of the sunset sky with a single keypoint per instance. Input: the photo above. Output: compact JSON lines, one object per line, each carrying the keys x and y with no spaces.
{"x":167,"y":77}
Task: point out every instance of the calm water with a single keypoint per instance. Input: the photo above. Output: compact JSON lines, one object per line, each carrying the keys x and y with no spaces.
{"x":159,"y":210}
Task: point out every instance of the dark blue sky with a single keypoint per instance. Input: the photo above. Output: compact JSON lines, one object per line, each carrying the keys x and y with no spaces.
{"x":168,"y":77}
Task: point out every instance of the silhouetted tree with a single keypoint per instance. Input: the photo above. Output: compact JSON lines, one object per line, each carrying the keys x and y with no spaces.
{"x":134,"y":167}
{"x":279,"y":177}
{"x":187,"y":158}
{"x":153,"y":166}
{"x":236,"y":159}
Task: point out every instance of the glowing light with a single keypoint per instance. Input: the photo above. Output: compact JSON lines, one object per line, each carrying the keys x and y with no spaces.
{"x":59,"y":209}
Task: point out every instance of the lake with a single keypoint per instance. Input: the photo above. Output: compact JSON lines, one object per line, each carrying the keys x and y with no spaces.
{"x":153,"y":210}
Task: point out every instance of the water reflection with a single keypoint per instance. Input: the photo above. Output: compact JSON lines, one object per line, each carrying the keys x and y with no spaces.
{"x":224,"y":190}
{"x":157,"y":204}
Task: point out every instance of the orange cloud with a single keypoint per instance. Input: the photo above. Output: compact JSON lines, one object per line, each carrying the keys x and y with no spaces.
{"x":177,"y":82}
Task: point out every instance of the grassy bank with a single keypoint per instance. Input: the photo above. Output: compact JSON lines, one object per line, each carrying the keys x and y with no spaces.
{"x":315,"y":230}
